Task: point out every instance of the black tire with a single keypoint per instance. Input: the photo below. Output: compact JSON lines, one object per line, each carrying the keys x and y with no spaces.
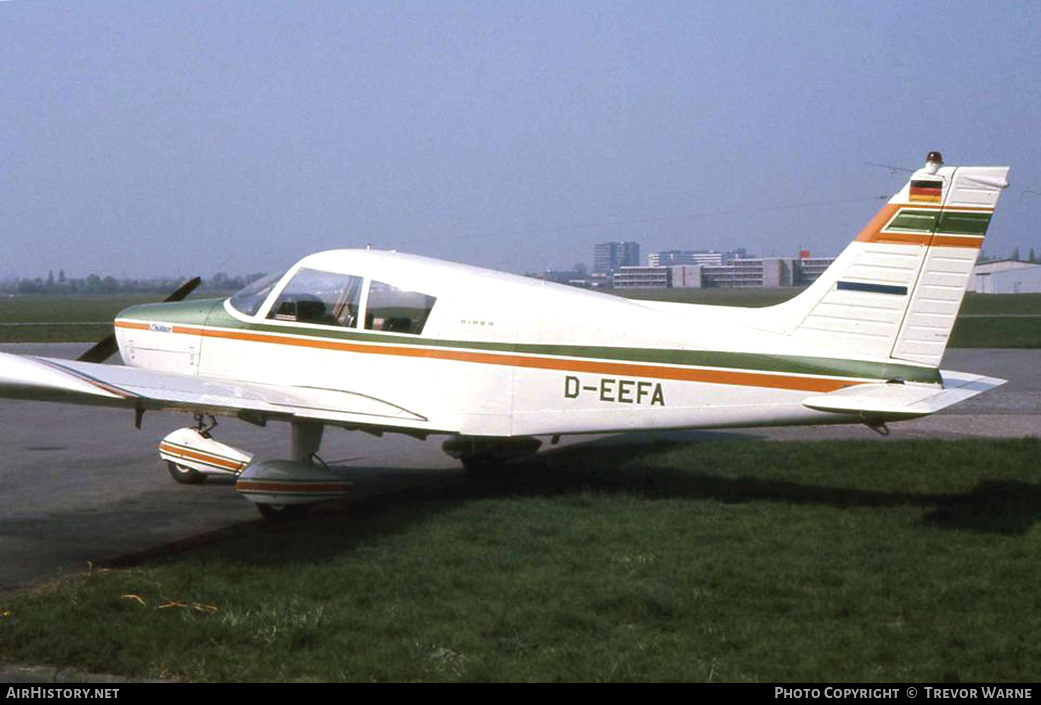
{"x":482,"y":464}
{"x":184,"y":475}
{"x":283,"y":512}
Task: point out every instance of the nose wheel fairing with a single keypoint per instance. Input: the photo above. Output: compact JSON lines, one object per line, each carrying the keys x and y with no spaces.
{"x":192,"y":455}
{"x":192,"y":449}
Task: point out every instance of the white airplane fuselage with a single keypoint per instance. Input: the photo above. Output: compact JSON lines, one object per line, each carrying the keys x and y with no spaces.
{"x":502,"y":355}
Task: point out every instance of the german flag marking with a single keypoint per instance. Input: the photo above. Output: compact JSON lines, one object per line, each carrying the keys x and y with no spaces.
{"x":926,"y":191}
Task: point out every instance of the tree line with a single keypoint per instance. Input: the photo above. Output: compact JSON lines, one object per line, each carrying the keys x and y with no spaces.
{"x":96,"y":284}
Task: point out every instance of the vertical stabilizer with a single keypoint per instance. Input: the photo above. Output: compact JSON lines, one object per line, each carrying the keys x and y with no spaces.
{"x":895,"y":291}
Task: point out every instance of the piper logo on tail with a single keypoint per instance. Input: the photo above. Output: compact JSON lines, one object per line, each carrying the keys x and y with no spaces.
{"x":613,"y":389}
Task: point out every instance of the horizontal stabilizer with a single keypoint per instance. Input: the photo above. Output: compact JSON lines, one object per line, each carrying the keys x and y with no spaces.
{"x":902,"y":401}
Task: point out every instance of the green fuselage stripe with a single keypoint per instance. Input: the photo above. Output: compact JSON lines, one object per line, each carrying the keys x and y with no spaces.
{"x":211,"y":313}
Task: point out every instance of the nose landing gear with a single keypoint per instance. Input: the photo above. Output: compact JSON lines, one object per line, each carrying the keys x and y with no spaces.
{"x":192,"y":455}
{"x":282,"y":489}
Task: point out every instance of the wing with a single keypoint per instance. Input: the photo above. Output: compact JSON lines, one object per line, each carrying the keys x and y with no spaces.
{"x":49,"y":379}
{"x":903,"y":401}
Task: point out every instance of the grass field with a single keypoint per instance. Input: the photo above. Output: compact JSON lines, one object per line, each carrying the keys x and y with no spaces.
{"x":911,"y":561}
{"x":1001,"y":304}
{"x":67,"y":319}
{"x":996,"y":332}
{"x":58,"y":319}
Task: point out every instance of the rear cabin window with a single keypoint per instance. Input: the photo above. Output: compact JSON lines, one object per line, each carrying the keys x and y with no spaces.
{"x":323,"y":298}
{"x":251,"y":297}
{"x":395,"y":310}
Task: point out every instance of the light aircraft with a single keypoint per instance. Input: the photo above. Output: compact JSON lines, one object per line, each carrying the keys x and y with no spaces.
{"x":387,"y":342}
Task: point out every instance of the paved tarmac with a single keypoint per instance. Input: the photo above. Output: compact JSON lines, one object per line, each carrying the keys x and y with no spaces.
{"x":82,"y":486}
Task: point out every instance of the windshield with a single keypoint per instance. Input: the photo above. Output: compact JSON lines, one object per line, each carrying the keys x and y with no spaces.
{"x":250,"y":298}
{"x":325,"y":298}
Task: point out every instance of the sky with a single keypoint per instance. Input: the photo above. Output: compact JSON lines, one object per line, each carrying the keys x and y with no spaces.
{"x":173,"y":138}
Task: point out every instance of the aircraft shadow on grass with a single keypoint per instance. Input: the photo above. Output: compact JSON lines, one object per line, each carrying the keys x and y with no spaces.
{"x":1007,"y":507}
{"x":1002,"y":507}
{"x":607,"y":466}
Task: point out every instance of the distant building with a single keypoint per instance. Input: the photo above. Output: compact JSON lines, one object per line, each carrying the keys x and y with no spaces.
{"x":679,"y":276}
{"x":612,"y":256}
{"x":743,"y":273}
{"x":670,"y":258}
{"x":642,"y":278}
{"x":686,"y":276}
{"x":737,"y":273}
{"x":1006,"y":277}
{"x":807,"y":269}
{"x":699,"y":269}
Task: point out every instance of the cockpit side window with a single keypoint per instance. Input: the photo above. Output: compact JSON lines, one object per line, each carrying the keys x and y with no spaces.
{"x":324,"y":298}
{"x":395,"y":310}
{"x":251,"y":297}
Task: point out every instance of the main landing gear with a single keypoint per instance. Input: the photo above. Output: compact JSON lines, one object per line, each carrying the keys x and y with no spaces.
{"x":283,"y":512}
{"x":285,"y":489}
{"x":486,"y":456}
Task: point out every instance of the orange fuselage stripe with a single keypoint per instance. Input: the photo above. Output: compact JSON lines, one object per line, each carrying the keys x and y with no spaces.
{"x":205,"y":457}
{"x":709,"y":376}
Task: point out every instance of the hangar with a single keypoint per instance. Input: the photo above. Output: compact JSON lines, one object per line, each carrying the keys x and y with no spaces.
{"x":1006,"y":277}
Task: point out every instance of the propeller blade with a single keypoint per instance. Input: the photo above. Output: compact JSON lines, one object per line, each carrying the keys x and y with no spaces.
{"x":107,"y":346}
{"x":102,"y":350}
{"x":183,"y":290}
